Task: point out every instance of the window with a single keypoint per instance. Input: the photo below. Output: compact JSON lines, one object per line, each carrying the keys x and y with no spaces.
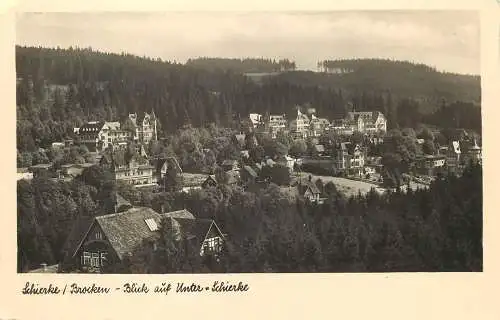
{"x":86,"y":258}
{"x":94,"y":262}
{"x":151,"y":224}
{"x":104,"y":258}
{"x":212,"y":245}
{"x":98,"y":235}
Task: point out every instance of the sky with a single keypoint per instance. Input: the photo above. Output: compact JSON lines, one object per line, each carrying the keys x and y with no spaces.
{"x":447,"y":40}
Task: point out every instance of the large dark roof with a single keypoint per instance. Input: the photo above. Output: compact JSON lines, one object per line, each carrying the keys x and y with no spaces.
{"x":126,"y":230}
{"x":194,"y":228}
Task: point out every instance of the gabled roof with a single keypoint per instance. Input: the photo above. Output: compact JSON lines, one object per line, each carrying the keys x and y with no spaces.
{"x":122,"y":204}
{"x":112,"y":125}
{"x":181,"y":214}
{"x":308,"y":185}
{"x":240,"y":138}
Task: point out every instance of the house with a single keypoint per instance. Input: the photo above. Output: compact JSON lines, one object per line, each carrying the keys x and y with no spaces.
{"x":319,"y":150}
{"x":99,"y":135}
{"x":286,"y":161}
{"x":299,"y":127}
{"x":369,"y":122}
{"x":474,"y":153}
{"x":133,"y":169}
{"x":230,"y":165}
{"x":430,"y":164}
{"x":256,"y":120}
{"x":42,"y":169}
{"x":145,"y":128}
{"x":163,"y":165}
{"x":209,"y":182}
{"x":58,"y":145}
{"x":341,"y":127}
{"x":240,"y":139}
{"x":356,"y":160}
{"x":309,"y":190}
{"x":276,"y":123}
{"x":70,"y":171}
{"x":24,"y":173}
{"x":453,"y":154}
{"x":101,"y":241}
{"x":318,"y":126}
{"x":248,"y":175}
{"x":245,"y":154}
{"x":349,"y":158}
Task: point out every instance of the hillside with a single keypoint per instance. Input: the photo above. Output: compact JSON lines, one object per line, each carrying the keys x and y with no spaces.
{"x":403,"y":79}
{"x":58,"y":89}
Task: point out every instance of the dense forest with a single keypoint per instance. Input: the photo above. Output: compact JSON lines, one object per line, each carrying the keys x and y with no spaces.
{"x":436,"y":229}
{"x":59,"y":89}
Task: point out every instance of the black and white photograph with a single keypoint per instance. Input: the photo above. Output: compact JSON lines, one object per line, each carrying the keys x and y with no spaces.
{"x":249,"y":142}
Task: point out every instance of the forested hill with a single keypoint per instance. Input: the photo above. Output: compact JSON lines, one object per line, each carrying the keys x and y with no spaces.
{"x":58,"y":89}
{"x":403,"y":79}
{"x":248,"y":65}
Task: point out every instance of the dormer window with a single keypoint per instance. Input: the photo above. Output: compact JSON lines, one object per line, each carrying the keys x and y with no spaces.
{"x":151,"y":224}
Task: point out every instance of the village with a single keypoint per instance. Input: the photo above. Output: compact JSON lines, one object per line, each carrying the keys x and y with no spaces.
{"x":348,"y":165}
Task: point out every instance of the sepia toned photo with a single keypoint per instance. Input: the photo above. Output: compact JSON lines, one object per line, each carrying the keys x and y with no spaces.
{"x":328,"y":142}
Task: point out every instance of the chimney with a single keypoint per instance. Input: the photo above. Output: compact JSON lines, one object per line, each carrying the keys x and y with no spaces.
{"x":162,"y":208}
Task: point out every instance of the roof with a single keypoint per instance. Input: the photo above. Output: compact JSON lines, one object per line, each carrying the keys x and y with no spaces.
{"x":344,"y":145}
{"x":122,"y":203}
{"x":184,"y":214}
{"x":194,"y":228}
{"x":228,"y":162}
{"x":250,"y":171}
{"x":41,"y":166}
{"x":366,"y":115}
{"x":112,"y":125}
{"x":305,"y":185}
{"x":319,"y":148}
{"x":127,"y":230}
{"x":240,"y":138}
